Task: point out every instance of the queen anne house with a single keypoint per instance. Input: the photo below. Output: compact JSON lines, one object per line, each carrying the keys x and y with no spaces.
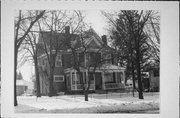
{"x":108,"y":75}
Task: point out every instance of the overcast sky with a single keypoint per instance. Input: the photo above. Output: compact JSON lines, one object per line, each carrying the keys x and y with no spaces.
{"x":97,"y":21}
{"x":93,"y":18}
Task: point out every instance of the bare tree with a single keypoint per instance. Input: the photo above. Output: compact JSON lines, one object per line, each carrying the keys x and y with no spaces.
{"x":51,"y":26}
{"x":30,"y":44}
{"x":20,"y":36}
{"x":132,"y":41}
{"x":86,"y":58}
{"x":152,"y":30}
{"x":80,"y":50}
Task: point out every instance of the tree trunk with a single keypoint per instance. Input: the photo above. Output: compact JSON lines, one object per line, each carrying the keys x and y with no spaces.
{"x":15,"y":68}
{"x":51,"y":88}
{"x":38,"y":93}
{"x":139,"y":71}
{"x":86,"y":95}
{"x":132,"y":65}
{"x":133,"y":77}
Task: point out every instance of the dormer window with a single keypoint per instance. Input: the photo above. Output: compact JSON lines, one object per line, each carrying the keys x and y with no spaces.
{"x":58,"y":62}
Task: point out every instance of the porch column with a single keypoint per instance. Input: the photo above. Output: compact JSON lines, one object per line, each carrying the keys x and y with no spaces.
{"x":94,"y":81}
{"x":123,"y":76}
{"x":75,"y":79}
{"x":103,"y":81}
{"x":87,"y":78}
{"x":85,"y":60}
{"x":116,"y":77}
{"x":71,"y":79}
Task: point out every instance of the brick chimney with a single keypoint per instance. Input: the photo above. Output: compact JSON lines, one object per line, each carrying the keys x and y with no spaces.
{"x":67,"y":30}
{"x":104,"y":39}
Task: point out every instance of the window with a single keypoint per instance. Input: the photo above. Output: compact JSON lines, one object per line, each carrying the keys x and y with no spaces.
{"x":156,"y":72}
{"x":119,"y":77}
{"x":58,"y":78}
{"x":81,"y":57}
{"x":78,"y":80}
{"x":58,"y":62}
{"x":109,"y":78}
{"x":108,"y":59}
{"x":73,"y":78}
{"x":68,"y":79}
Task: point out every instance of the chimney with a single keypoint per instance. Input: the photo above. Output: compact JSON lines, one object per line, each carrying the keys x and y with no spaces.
{"x":104,"y":39}
{"x":67,"y":30}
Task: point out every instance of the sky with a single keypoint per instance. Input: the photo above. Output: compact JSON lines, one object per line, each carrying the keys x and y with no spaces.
{"x":97,"y":21}
{"x":93,"y":17}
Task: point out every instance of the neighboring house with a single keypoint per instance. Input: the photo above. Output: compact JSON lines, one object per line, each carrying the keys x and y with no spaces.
{"x":23,"y":87}
{"x":150,"y":80}
{"x":154,"y":79}
{"x":108,"y":75}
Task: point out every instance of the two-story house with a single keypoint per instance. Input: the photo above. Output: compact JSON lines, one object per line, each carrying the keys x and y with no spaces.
{"x":108,"y":75}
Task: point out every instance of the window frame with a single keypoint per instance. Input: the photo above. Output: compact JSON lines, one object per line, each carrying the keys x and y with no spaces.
{"x":108,"y":59}
{"x":58,"y":80}
{"x":58,"y":60}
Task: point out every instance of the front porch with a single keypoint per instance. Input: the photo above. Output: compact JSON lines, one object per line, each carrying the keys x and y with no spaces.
{"x":103,"y":79}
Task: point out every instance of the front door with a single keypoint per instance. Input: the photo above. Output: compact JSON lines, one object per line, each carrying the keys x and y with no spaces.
{"x":98,"y":81}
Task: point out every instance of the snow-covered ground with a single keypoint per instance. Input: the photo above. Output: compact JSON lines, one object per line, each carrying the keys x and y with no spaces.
{"x":98,"y":103}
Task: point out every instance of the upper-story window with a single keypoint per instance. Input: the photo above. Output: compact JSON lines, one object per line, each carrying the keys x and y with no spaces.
{"x":58,"y":62}
{"x":92,"y":57}
{"x":156,"y":72}
{"x":108,"y":59}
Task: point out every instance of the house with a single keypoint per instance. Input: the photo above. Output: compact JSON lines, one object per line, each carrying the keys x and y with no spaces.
{"x":23,"y":87}
{"x":150,"y":80}
{"x":108,"y":75}
{"x":154,"y":79}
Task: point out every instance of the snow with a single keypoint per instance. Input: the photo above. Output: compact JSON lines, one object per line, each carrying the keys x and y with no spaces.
{"x":98,"y":103}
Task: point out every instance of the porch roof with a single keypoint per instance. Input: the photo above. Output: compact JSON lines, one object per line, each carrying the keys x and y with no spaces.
{"x":103,"y":68}
{"x":111,"y":67}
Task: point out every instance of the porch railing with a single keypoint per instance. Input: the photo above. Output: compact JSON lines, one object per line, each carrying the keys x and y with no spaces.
{"x":114,"y":85}
{"x":80,"y":87}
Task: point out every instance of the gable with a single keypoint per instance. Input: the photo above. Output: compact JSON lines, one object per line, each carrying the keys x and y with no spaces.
{"x":93,"y":44}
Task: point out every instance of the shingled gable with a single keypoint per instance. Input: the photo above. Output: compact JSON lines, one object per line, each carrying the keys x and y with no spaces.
{"x":92,"y":38}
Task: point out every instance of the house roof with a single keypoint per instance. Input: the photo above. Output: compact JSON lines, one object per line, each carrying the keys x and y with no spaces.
{"x":57,"y":39}
{"x":89,"y":38}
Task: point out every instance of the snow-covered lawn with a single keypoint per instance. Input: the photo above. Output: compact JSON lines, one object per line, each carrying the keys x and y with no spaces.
{"x":98,"y":103}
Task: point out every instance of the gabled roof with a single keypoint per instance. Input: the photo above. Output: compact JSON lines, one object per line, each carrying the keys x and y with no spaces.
{"x":93,"y":36}
{"x":56,"y":38}
{"x":89,"y":38}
